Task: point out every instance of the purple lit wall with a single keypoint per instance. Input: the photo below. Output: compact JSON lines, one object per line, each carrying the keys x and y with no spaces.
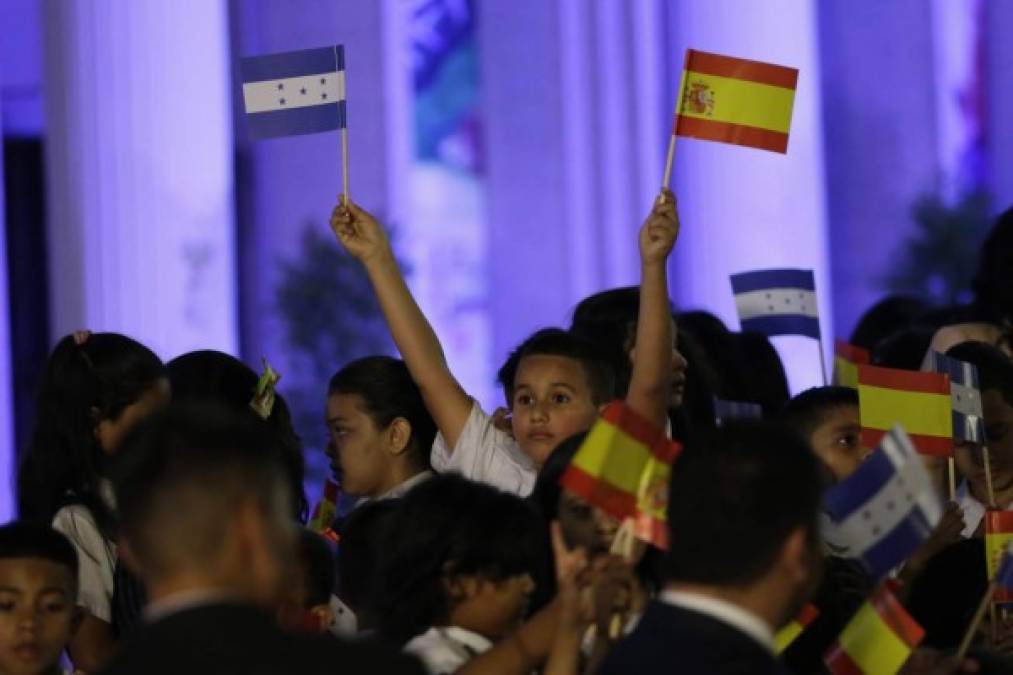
{"x":7,"y":454}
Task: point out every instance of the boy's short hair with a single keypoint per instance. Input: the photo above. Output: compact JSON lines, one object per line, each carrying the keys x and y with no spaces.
{"x":558,"y":342}
{"x":807,"y":411}
{"x":736,"y":494}
{"x":319,"y":568}
{"x":22,"y":539}
{"x":995,"y":369}
{"x":180,"y":475}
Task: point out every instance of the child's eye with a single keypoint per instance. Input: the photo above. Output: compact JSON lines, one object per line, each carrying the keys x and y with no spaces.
{"x":560,"y":398}
{"x":524,"y":399}
{"x":848,"y":441}
{"x":7,"y":606}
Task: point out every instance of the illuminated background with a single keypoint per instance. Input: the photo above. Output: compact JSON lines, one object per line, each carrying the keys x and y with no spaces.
{"x":513,"y":146}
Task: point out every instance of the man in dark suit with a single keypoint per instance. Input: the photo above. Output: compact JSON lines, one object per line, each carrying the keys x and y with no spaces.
{"x":744,"y":556}
{"x":204,"y":522}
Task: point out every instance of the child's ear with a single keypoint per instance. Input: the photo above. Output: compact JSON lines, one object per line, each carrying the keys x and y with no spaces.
{"x":399,"y":433}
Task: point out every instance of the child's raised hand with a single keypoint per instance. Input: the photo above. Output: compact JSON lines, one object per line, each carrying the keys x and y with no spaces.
{"x":660,"y":230}
{"x":358,"y":232}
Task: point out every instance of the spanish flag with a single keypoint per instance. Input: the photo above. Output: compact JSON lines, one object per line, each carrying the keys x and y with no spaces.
{"x":847,"y":358}
{"x":998,"y":537}
{"x":878,"y":639}
{"x":732,"y":100}
{"x":623,"y":468}
{"x":919,"y":402}
{"x":795,"y":627}
{"x":326,"y":509}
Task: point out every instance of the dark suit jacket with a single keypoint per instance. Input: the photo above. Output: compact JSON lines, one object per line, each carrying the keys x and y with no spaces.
{"x":670,"y":639}
{"x":227,"y":639}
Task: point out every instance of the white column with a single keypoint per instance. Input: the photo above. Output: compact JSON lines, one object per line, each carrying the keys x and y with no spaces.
{"x":139,"y":160}
{"x":741,"y":208}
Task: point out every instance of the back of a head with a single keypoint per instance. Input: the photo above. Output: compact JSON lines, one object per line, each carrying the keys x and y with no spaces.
{"x":736,"y":494}
{"x":557,"y":342}
{"x":891,"y":314}
{"x":388,"y":392}
{"x":993,"y":281}
{"x":768,"y":384}
{"x":450,"y":526}
{"x":211,"y":376}
{"x":609,"y":320}
{"x":806,"y":411}
{"x":182,"y":476}
{"x":722,"y":350}
{"x":363,"y":546}
{"x":85,"y":380}
{"x":36,"y":540}
{"x":995,"y":369}
{"x":905,"y":348}
{"x":318,"y":566}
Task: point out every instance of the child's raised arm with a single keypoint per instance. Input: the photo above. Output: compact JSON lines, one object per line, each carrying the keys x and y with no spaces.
{"x":360,"y":234}
{"x":650,"y":382}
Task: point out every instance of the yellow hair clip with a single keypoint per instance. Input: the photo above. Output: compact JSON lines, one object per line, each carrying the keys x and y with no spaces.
{"x":263,"y":394}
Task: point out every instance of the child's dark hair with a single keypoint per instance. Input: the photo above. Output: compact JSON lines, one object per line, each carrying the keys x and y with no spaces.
{"x":993,"y":281}
{"x":558,"y":342}
{"x":448,"y":527}
{"x":609,"y":320}
{"x":995,"y":369}
{"x":83,"y":384}
{"x":804,"y":413}
{"x":319,"y":569}
{"x":363,"y":546}
{"x":25,"y":539}
{"x":388,"y":391}
{"x":208,"y":375}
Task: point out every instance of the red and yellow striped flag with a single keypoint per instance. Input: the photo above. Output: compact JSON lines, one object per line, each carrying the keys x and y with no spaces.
{"x":878,"y":639}
{"x":795,"y":627}
{"x":998,"y":537}
{"x":730,"y":100}
{"x":919,"y":402}
{"x":847,"y":358}
{"x":623,"y":468}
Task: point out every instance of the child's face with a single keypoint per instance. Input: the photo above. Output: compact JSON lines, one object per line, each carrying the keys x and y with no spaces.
{"x":359,"y":449}
{"x":492,"y":608}
{"x":837,"y":441}
{"x":552,"y":401}
{"x":590,"y":528}
{"x":37,"y":614}
{"x":999,"y":433}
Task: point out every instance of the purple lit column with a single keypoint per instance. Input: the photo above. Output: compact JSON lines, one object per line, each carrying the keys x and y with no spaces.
{"x":741,"y":208}
{"x":139,"y":160}
{"x":7,"y":453}
{"x":999,"y":134}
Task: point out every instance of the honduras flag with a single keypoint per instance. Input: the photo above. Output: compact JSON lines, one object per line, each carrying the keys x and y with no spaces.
{"x":299,"y":92}
{"x":965,"y":392}
{"x":777,"y":302}
{"x":883,"y":511}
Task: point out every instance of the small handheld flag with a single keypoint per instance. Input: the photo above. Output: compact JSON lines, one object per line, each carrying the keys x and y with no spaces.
{"x":884,"y":510}
{"x":998,"y":539}
{"x":877,"y":640}
{"x":623,"y":468}
{"x":326,"y":511}
{"x":847,"y":358}
{"x":300,"y":92}
{"x":731,"y":100}
{"x":777,"y":302}
{"x":919,"y":402}
{"x":787,"y":635}
{"x":725,"y":411}
{"x":965,"y":395}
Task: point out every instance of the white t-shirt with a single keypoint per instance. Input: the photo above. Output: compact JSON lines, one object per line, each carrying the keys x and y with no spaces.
{"x":443,"y":650}
{"x":485,"y":454}
{"x":96,"y":559}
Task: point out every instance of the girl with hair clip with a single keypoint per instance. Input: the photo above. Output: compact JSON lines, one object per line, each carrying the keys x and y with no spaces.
{"x":96,"y":388}
{"x":380,"y":429}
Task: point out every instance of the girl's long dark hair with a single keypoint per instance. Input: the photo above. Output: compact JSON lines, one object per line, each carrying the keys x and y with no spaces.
{"x":83,"y":384}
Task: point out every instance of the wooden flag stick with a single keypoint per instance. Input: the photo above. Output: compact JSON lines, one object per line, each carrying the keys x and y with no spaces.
{"x":988,"y":477}
{"x":344,"y":164}
{"x":667,"y":179}
{"x":823,"y":360}
{"x":622,"y":545}
{"x":986,"y":600}
{"x":952,"y":470}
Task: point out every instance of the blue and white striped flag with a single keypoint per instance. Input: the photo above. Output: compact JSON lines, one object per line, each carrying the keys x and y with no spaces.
{"x":777,"y":302}
{"x":965,"y":392}
{"x":725,"y":411}
{"x":292,"y":93}
{"x":887,"y":508}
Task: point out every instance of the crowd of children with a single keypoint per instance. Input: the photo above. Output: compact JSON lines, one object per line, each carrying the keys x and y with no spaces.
{"x":161,"y":517}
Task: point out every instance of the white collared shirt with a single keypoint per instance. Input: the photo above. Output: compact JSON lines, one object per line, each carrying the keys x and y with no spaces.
{"x":184,"y":600}
{"x":444,"y":649}
{"x":402,"y":488}
{"x":726,"y":612}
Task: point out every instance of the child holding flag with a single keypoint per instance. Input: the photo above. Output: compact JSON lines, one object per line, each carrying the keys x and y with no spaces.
{"x":555,"y":380}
